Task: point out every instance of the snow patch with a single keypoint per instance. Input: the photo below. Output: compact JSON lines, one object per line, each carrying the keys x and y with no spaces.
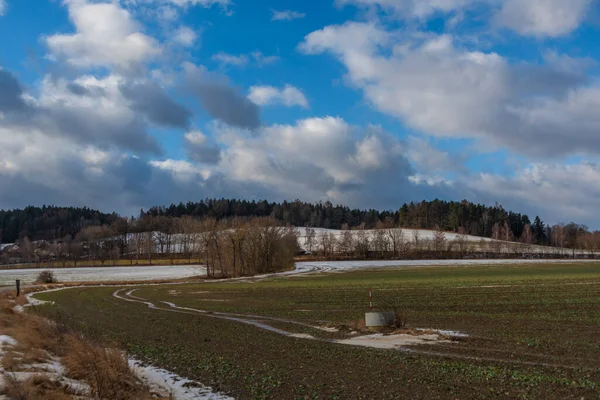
{"x":381,"y":341}
{"x":7,"y":340}
{"x":167,"y":384}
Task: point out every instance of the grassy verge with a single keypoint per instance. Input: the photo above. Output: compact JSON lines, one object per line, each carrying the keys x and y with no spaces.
{"x":40,"y":342}
{"x":533,"y":333}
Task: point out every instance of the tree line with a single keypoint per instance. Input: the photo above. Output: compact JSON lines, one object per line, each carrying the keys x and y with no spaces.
{"x":49,"y":222}
{"x":228,"y":248}
{"x":55,"y":223}
{"x":450,"y":216}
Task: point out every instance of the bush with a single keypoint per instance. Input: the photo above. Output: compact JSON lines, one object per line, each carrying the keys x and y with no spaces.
{"x":46,"y":277}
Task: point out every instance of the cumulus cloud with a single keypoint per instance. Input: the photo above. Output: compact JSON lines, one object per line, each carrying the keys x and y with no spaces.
{"x":185,"y":36}
{"x":570,"y":191}
{"x":318,"y":158}
{"x":219,"y":99}
{"x":267,"y":95}
{"x":11,"y":93}
{"x":410,"y":8}
{"x":287,"y":15}
{"x":230,"y":59}
{"x":105,"y":36}
{"x":442,"y":89}
{"x":88,"y":111}
{"x":542,"y":17}
{"x":153,"y":101}
{"x":430,"y":160}
{"x":200,"y":150}
{"x":262,"y":60}
{"x":202,"y":3}
{"x":539,"y":18}
{"x":242,"y":60}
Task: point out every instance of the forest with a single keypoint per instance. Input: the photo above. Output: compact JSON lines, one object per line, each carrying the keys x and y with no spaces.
{"x":56,"y":223}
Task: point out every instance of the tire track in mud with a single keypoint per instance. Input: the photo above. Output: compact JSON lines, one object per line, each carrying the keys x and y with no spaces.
{"x":258,"y":321}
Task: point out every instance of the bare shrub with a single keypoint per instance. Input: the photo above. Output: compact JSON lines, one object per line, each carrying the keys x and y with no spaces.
{"x":46,"y":277}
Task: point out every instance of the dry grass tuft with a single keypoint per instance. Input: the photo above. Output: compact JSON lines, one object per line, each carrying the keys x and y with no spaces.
{"x":105,"y":370}
{"x":38,"y":387}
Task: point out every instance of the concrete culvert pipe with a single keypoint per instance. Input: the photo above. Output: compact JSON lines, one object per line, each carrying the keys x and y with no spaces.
{"x":380,"y":319}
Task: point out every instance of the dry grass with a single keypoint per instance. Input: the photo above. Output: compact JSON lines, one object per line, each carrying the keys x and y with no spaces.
{"x":38,"y":387}
{"x":105,"y":370}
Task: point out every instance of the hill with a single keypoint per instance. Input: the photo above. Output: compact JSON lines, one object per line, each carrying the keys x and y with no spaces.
{"x":49,"y":222}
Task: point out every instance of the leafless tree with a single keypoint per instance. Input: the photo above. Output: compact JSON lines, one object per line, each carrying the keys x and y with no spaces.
{"x":416,"y":239}
{"x":27,"y":250}
{"x":362,"y":243}
{"x":345,"y":244}
{"x":439,"y":240}
{"x":309,"y":238}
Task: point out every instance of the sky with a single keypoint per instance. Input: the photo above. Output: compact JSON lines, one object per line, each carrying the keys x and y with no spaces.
{"x":125,"y":104}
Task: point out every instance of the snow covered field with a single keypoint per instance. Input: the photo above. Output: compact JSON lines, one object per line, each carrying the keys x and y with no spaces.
{"x":106,"y":274}
{"x":426,"y":237}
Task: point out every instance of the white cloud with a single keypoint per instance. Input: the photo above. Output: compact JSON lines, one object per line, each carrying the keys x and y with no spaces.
{"x":202,"y":3}
{"x":286,"y":15}
{"x":242,"y":60}
{"x":527,"y":17}
{"x":558,"y":192}
{"x":288,"y":96}
{"x":230,"y":59}
{"x":195,"y":137}
{"x":543,"y":17}
{"x":429,"y":159}
{"x":106,"y":36}
{"x":2,"y":7}
{"x":316,"y":159}
{"x":185,"y":36}
{"x":411,"y":8}
{"x":182,"y":171}
{"x":262,"y":59}
{"x":434,"y":85}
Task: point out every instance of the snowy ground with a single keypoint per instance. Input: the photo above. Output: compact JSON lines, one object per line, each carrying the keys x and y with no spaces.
{"x":166,"y":272}
{"x":474,"y":243}
{"x":52,"y":368}
{"x":168,"y":384}
{"x":338,"y":266}
{"x":106,"y":274}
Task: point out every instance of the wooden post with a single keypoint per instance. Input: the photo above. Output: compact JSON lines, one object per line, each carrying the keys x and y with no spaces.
{"x":18,"y":287}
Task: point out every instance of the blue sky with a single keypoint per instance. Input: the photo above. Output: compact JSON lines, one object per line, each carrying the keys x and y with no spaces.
{"x":125,"y":104}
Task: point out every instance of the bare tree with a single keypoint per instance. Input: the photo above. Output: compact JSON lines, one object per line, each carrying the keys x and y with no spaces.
{"x":396,"y":240}
{"x":380,"y":243}
{"x":416,"y":239}
{"x":362,"y":244}
{"x":345,"y":244}
{"x":310,"y":237}
{"x":439,"y":240}
{"x":461,"y":241}
{"x":27,"y":250}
